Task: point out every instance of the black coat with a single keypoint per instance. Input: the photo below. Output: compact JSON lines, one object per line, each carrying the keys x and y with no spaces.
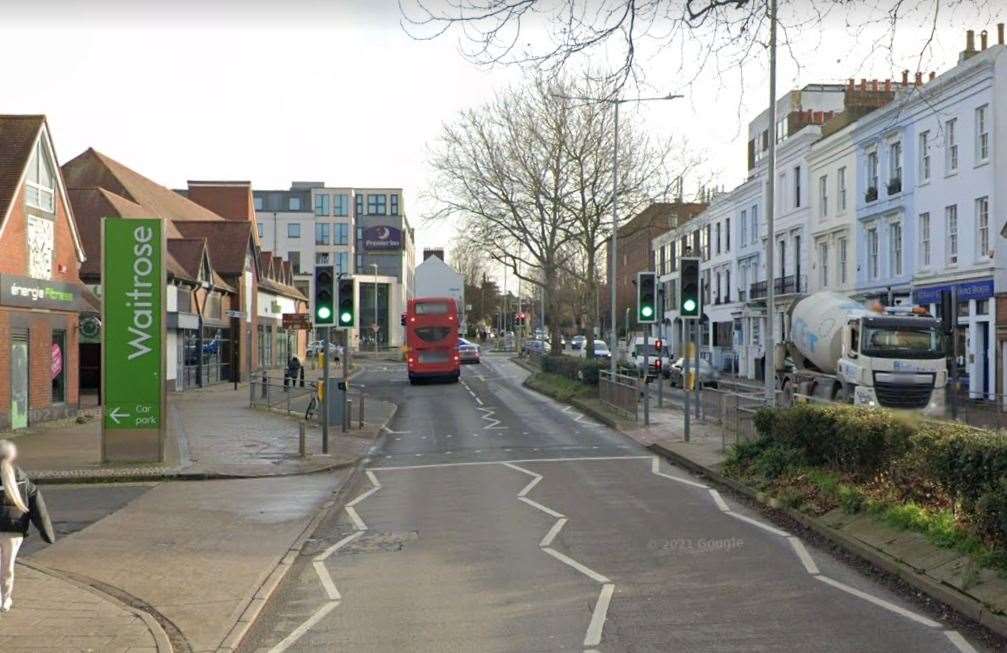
{"x":13,"y":520}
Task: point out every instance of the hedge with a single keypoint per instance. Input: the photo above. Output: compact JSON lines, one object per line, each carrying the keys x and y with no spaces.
{"x":575,"y":369}
{"x":965,"y":463}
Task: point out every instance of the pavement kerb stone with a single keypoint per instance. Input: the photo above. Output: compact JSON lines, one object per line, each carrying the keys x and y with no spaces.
{"x":48,"y":477}
{"x":960,"y":602}
{"x":161,"y":639}
{"x":260,"y":596}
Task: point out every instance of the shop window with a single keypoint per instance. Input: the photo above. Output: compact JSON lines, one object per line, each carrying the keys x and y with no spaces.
{"x":58,"y":366}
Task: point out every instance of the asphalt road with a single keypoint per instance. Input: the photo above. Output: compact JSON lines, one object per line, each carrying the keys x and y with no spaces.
{"x":493,"y":519}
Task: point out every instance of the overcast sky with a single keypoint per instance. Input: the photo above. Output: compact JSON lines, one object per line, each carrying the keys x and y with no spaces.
{"x":336,"y":91}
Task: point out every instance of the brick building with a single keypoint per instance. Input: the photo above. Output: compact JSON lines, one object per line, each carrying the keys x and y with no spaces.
{"x":41,"y":295}
{"x":635,"y":255}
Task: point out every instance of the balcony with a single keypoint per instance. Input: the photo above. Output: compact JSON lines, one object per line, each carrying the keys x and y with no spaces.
{"x":871,"y":195}
{"x":781,"y":286}
{"x":895,"y":186}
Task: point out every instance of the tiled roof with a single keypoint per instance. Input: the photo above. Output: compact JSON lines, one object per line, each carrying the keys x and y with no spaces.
{"x":92,"y":169}
{"x":189,"y":253}
{"x":17,"y":135}
{"x":228,"y":242}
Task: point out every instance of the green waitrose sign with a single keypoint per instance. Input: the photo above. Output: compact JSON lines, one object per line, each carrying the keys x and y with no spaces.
{"x":133,"y":286}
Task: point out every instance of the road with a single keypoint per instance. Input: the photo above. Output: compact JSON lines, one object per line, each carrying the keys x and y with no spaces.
{"x":493,"y":519}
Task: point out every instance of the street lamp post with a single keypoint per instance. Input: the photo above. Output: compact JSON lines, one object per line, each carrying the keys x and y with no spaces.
{"x":375,"y":327}
{"x":615,"y":102}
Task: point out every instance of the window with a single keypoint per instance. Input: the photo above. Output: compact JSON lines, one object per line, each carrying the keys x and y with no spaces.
{"x":359,"y":204}
{"x":294,"y":204}
{"x":261,"y":229}
{"x":321,"y":204}
{"x":58,"y":366}
{"x":951,"y":232}
{"x":823,"y":265}
{"x":925,"y":157}
{"x":895,"y":247}
{"x":727,"y":235}
{"x":755,"y":223}
{"x":950,"y":147}
{"x":342,"y":234}
{"x":342,"y":260}
{"x":841,"y":184}
{"x":341,"y":205}
{"x":895,"y":168}
{"x":40,"y":181}
{"x":718,"y":238}
{"x":842,"y":260}
{"x":323,"y":233}
{"x":872,"y":253}
{"x":781,"y":129}
{"x":797,"y":187}
{"x":783,"y":258}
{"x":983,"y":226}
{"x":293,"y":230}
{"x":717,"y":299}
{"x":258,"y":203}
{"x":743,"y":231}
{"x":797,"y":259}
{"x":376,"y":204}
{"x":394,"y":203}
{"x":727,"y":289}
{"x":982,"y":135}
{"x":872,"y":175}
{"x":705,"y":243}
{"x":823,"y":195}
{"x":321,"y":258}
{"x":295,"y":261}
{"x":924,"y":239}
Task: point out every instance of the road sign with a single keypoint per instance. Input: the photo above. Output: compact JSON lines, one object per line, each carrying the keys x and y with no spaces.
{"x":133,"y":352}
{"x":235,"y":314}
{"x":297,"y":321}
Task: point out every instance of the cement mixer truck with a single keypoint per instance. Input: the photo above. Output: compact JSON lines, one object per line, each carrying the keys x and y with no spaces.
{"x":840,"y":350}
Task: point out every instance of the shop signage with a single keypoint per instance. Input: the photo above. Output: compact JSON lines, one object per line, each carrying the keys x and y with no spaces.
{"x":38,"y":293}
{"x":297,"y":321}
{"x":235,"y":314}
{"x":979,"y":289}
{"x":133,"y":339}
{"x":90,"y":326}
{"x":380,"y":237}
{"x":56,"y":364}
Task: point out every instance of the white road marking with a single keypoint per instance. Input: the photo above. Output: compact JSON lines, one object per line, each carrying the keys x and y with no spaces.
{"x":326,"y":580}
{"x":338,"y":545}
{"x":358,"y":523}
{"x":802,"y":553}
{"x":959,"y":642}
{"x":759,"y":524}
{"x":719,"y":500}
{"x":593,"y":637}
{"x":539,"y":506}
{"x":479,"y":401}
{"x":499,"y":462}
{"x":528,"y":487}
{"x":298,"y":632}
{"x":388,"y":430}
{"x":879,"y":602}
{"x":590,"y":573}
{"x":686,"y":481}
{"x":363,"y":496}
{"x":553,"y":532}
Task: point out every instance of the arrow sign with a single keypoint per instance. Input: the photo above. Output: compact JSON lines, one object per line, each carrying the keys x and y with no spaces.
{"x":116,"y":415}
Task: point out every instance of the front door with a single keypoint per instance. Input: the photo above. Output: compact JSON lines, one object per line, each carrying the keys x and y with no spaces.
{"x":19,"y":381}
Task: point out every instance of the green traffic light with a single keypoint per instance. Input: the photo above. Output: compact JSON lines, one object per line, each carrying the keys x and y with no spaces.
{"x":345,"y":317}
{"x":689,"y":305}
{"x":324,"y":312}
{"x":647,"y":311}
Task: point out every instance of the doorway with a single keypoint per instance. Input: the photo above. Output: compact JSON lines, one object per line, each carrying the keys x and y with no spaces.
{"x":19,"y":380}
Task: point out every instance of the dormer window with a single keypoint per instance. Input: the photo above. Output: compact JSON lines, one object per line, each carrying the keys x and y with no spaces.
{"x":40,"y":181}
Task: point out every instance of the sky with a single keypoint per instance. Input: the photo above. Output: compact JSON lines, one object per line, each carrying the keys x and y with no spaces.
{"x":336,"y":91}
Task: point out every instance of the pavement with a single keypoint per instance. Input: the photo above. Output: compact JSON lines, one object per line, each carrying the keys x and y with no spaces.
{"x":492,"y":518}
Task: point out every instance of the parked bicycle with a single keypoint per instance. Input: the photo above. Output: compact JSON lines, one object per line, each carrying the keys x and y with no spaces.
{"x":314,"y":403}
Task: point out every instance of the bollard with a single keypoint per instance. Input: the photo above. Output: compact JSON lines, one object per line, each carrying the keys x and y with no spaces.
{"x":302,"y":376}
{"x":361,"y":413}
{"x":265,"y":385}
{"x":302,"y":445}
{"x":347,"y":414}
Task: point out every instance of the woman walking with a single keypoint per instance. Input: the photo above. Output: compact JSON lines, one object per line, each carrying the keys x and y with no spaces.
{"x":20,"y":503}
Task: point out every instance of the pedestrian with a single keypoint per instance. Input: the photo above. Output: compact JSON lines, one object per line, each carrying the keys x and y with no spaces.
{"x":293,"y":369}
{"x":20,"y":504}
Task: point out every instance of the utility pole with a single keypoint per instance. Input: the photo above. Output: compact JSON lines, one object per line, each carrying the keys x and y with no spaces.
{"x":769,"y":368}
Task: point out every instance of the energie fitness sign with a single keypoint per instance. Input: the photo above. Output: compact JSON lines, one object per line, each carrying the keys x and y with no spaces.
{"x":133,"y":283}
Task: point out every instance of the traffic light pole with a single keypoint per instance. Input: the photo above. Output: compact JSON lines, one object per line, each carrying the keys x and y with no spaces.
{"x":685,"y":373}
{"x":646,"y":379}
{"x":699,"y":377}
{"x":325,"y":391}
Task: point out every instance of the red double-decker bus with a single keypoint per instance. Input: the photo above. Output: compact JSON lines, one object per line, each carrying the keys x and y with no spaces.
{"x":432,"y":339}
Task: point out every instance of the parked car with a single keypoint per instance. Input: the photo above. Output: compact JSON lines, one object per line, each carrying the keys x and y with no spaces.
{"x":600,"y":350}
{"x":315,"y":348}
{"x":577,"y":343}
{"x":708,"y":375}
{"x":655,"y":363}
{"x":538,"y":347}
{"x":468,"y":351}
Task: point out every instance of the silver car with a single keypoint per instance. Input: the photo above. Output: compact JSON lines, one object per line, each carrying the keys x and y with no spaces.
{"x":708,"y":375}
{"x":468,"y":351}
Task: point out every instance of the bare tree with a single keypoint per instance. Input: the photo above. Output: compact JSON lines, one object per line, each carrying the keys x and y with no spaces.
{"x":501,"y":173}
{"x":469,"y":260}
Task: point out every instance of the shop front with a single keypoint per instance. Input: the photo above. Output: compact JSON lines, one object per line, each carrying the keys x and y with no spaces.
{"x":39,"y":331}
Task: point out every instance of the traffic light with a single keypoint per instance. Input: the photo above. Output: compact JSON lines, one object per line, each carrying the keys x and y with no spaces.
{"x":347,"y":303}
{"x":324,"y":295}
{"x":646,"y":297}
{"x":658,"y":344}
{"x":688,"y":295}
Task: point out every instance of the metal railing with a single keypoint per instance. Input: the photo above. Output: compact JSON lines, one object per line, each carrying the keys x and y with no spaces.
{"x":621,"y":392}
{"x":278,"y":393}
{"x":781,"y":286}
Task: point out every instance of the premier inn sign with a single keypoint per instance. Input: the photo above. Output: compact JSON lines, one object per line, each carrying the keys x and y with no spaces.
{"x":133,"y":349}
{"x":26,"y":292}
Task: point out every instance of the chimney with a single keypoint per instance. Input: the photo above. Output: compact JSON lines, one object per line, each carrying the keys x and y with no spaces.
{"x":919,"y":79}
{"x":874,"y":85}
{"x":851,"y":84}
{"x":888,"y":86}
{"x":933,"y":75}
{"x":905,"y":77}
{"x":863,"y":84}
{"x":1000,"y":33}
{"x":982,"y":40}
{"x":970,"y":41}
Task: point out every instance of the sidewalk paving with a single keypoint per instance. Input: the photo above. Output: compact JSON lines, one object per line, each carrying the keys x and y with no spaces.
{"x":53,"y":614}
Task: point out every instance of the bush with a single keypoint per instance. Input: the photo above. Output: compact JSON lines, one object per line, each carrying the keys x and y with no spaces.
{"x":590,"y":369}
{"x":777,"y":460}
{"x":561,"y":365}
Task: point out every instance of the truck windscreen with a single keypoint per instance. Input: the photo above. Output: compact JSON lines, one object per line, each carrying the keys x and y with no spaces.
{"x":902,"y":342}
